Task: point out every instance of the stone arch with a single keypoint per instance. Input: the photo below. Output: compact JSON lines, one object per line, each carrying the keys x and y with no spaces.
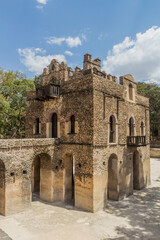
{"x":95,"y":70}
{"x":113,"y":191}
{"x":2,"y":187}
{"x":42,"y":177}
{"x":69,"y":167}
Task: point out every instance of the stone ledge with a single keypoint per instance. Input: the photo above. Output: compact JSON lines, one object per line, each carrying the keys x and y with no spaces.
{"x":155,"y":152}
{"x":18,"y":143}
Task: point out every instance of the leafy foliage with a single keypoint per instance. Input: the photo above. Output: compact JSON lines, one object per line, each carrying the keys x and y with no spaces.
{"x":38,"y":80}
{"x":13,"y":92}
{"x":152,"y":91}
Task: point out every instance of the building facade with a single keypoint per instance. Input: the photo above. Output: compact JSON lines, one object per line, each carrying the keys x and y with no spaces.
{"x":100,"y":131}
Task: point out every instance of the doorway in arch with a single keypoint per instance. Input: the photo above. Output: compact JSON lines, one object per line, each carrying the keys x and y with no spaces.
{"x":113,"y":192}
{"x":69,"y":178}
{"x":42,"y":178}
{"x":2,"y":188}
{"x":136,"y":170}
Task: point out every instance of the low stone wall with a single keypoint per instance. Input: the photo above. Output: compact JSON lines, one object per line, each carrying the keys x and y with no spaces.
{"x":155,"y":152}
{"x":16,"y":160}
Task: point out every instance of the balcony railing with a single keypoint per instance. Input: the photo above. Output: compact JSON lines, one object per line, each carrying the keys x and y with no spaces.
{"x":48,"y":91}
{"x":136,"y":141}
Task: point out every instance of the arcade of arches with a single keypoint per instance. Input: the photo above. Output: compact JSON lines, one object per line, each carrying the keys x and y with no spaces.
{"x":66,"y":173}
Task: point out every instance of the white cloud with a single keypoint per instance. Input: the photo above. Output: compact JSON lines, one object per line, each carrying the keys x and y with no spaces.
{"x":55,"y":40}
{"x":70,"y":41}
{"x":42,"y":1}
{"x":35,"y":62}
{"x":69,"y":53}
{"x":73,"y":42}
{"x":140,"y":57}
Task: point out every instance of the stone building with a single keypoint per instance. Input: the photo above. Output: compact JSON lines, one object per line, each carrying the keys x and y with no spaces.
{"x":87,"y":140}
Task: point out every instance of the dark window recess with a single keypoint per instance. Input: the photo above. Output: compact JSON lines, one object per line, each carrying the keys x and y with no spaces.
{"x":54,"y":125}
{"x":12,"y":174}
{"x":72,"y":124}
{"x":37,"y":126}
{"x":24,"y":171}
{"x":56,"y":167}
{"x":131,"y":127}
{"x":112,"y":133}
{"x":130,"y":91}
{"x":79,"y":165}
{"x":142,"y":129}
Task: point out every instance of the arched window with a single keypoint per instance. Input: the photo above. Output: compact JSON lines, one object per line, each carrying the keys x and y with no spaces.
{"x":72,"y":119}
{"x":131,"y":126}
{"x":95,"y":70}
{"x":54,"y":125}
{"x":37,"y":126}
{"x":112,"y":130}
{"x":130,"y":92}
{"x":142,"y":129}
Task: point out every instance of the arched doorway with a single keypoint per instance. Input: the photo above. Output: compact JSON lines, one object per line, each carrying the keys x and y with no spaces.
{"x":113,"y":192}
{"x":42,"y":178}
{"x":54,"y":125}
{"x":136,"y":170}
{"x":36,"y":175}
{"x":2,"y":188}
{"x":69,"y":178}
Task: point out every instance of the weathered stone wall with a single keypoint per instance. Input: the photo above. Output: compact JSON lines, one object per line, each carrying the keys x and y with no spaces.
{"x":83,"y":163}
{"x":18,"y":156}
{"x":111,"y":98}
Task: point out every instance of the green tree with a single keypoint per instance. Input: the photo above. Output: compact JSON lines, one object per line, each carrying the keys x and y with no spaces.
{"x":38,"y":80}
{"x":152,"y":91}
{"x":13,"y":92}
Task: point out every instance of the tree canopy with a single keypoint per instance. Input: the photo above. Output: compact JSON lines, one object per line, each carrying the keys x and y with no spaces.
{"x":13,"y":92}
{"x":152,"y":91}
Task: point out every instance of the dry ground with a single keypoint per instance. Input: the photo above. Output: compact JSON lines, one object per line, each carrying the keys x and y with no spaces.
{"x":137,"y":217}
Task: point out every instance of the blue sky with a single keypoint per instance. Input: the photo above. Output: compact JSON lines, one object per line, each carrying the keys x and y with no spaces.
{"x":124,"y":34}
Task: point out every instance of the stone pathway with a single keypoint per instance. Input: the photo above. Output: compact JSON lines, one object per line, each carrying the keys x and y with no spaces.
{"x":4,"y":236}
{"x":135,"y":218}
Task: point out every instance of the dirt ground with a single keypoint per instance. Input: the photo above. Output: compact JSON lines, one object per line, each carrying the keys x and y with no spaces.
{"x":137,"y":217}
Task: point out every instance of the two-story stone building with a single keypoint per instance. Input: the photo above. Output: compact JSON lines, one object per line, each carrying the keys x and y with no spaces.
{"x":101,"y":137}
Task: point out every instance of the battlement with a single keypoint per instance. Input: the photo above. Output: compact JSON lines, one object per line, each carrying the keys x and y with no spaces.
{"x":58,"y":74}
{"x":61,"y":72}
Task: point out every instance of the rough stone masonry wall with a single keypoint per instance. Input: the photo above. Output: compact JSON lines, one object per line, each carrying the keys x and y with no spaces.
{"x":17,"y":156}
{"x":111,"y":99}
{"x":92,"y":97}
